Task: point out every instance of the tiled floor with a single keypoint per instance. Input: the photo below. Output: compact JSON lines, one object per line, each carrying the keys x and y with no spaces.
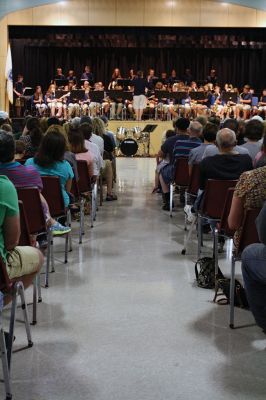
{"x":124,"y":320}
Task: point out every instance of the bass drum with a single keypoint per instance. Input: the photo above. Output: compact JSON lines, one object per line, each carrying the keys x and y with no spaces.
{"x":129,"y":147}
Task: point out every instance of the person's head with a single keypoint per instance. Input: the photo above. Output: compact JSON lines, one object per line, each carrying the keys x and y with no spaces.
{"x":173,"y":73}
{"x":181,"y":125}
{"x":254,"y":130}
{"x":140,"y":74}
{"x":59,"y":71}
{"x":226,"y":140}
{"x":85,"y":119}
{"x":20,"y":78}
{"x":262,"y":160}
{"x":105,"y":120}
{"x":169,"y":133}
{"x":193,"y":85}
{"x":232,"y":124}
{"x":215,"y":120}
{"x":116,"y":73}
{"x":51,"y":88}
{"x":87,"y":69}
{"x":76,"y":140}
{"x":264,"y":92}
{"x":209,"y":132}
{"x":7,"y":147}
{"x":75,"y":122}
{"x":246,"y":89}
{"x":98,"y":127}
{"x":44,"y":124}
{"x":86,"y":85}
{"x":187,"y":71}
{"x":52,"y":148}
{"x":59,"y":129}
{"x":86,"y":130}
{"x":202,"y":120}
{"x":3,"y":117}
{"x":163,"y":75}
{"x":212,"y":72}
{"x":151,"y":72}
{"x":53,"y":121}
{"x":195,"y":129}
{"x":7,"y":128}
{"x":20,"y":149}
{"x":71,"y":72}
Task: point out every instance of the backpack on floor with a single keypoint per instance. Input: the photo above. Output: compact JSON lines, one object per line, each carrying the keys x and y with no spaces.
{"x":205,"y":272}
{"x":240,"y":298}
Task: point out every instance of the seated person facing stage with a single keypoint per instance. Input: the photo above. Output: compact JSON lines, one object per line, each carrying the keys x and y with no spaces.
{"x":86,"y":130}
{"x":161,"y":162}
{"x":253,"y":133}
{"x":262,"y":103}
{"x":38,"y":101}
{"x":245,"y":100}
{"x":49,"y":160}
{"x":254,"y":272}
{"x":22,"y":262}
{"x":209,"y":133}
{"x":176,"y":146}
{"x":24,"y":176}
{"x":31,"y":136}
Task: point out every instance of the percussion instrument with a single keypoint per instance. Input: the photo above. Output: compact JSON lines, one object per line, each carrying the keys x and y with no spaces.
{"x":129,"y":147}
{"x":136,"y":132}
{"x":121,"y":133}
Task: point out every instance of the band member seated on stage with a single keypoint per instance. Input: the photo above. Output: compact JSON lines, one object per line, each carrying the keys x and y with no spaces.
{"x":150,"y":77}
{"x":71,"y":76}
{"x":262,"y":103}
{"x":116,"y":105}
{"x":173,"y":77}
{"x":115,"y":75}
{"x":193,"y":86}
{"x":95,"y":107}
{"x":185,"y":106}
{"x":218,"y":106}
{"x":86,"y":101}
{"x":59,"y":74}
{"x":244,"y":105}
{"x":131,"y":74}
{"x":51,"y":100}
{"x":73,"y":105}
{"x":164,"y":78}
{"x":161,"y":104}
{"x":38,"y":101}
{"x":212,"y":78}
{"x":87,"y":74}
{"x":139,"y":99}
{"x":18,"y":95}
{"x":173,"y":106}
{"x":187,"y":78}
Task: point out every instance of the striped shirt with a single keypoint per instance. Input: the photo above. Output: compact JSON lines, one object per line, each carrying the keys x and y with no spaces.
{"x":184,"y":145}
{"x":21,"y":175}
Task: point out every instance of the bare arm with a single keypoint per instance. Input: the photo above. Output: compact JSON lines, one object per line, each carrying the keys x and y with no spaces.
{"x":11,"y":229}
{"x":68,"y":185}
{"x":236,"y":213}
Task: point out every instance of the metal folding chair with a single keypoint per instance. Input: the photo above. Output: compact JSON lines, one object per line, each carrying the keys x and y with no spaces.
{"x":249,"y":235}
{"x":85,"y":187}
{"x":181,"y":178}
{"x":3,"y":349}
{"x":193,"y":187}
{"x":79,"y":202}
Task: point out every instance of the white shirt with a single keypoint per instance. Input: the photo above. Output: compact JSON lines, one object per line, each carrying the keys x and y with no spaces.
{"x":97,"y":158}
{"x":98,"y":140}
{"x":212,"y":150}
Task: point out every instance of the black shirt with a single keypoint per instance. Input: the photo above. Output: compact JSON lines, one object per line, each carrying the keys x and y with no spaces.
{"x":224,"y":167}
{"x":19,"y":87}
{"x":108,"y":144}
{"x":140,"y":84}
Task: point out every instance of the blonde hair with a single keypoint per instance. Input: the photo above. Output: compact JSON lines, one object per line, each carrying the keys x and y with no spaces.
{"x":62,"y":131}
{"x":98,"y":127}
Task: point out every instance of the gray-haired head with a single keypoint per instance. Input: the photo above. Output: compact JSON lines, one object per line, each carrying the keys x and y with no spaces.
{"x":195,"y":128}
{"x":75,"y":122}
{"x":226,"y":138}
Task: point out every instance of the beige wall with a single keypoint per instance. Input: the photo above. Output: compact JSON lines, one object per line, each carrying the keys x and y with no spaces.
{"x":129,"y":13}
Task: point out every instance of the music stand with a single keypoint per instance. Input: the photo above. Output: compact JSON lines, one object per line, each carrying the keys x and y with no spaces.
{"x":61,"y":82}
{"x":115,"y":94}
{"x":149,"y":128}
{"x":124,"y":82}
{"x":77,"y":95}
{"x":127,"y":96}
{"x":60,"y":93}
{"x":28,"y":92}
{"x":96,"y":96}
{"x":162,"y":94}
{"x":229,"y":97}
{"x":197,"y":96}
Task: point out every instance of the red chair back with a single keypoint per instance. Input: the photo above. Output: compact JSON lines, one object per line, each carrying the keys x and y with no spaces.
{"x":75,"y":189}
{"x":181,"y":172}
{"x":214,"y":197}
{"x":249,"y":234}
{"x":223,"y":226}
{"x":24,"y":239}
{"x":5,"y":282}
{"x":193,"y":184}
{"x":33,"y":209}
{"x":53,"y":195}
{"x":84,"y":182}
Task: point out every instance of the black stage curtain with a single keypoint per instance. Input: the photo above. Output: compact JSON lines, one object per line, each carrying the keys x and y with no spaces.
{"x":38,"y":63}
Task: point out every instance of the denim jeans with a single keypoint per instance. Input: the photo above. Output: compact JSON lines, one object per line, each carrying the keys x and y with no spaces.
{"x":254,"y":274}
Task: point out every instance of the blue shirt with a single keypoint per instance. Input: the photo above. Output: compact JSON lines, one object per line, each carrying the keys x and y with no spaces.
{"x":62,"y":169}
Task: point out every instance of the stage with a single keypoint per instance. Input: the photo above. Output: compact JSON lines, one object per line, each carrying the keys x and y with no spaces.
{"x":155,"y":137}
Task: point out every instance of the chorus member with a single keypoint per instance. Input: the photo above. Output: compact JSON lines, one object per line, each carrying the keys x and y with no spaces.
{"x":139,"y":99}
{"x":71,"y":76}
{"x":87,"y":74}
{"x":212,"y":78}
{"x":262,"y":103}
{"x":38,"y":101}
{"x":59,"y":74}
{"x":18,"y":95}
{"x":187,"y":78}
{"x":115,"y":76}
{"x":244,"y":105}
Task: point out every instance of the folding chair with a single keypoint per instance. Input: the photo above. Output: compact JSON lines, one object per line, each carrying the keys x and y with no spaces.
{"x":193,"y":187}
{"x":33,"y":209}
{"x":6,"y":374}
{"x":213,"y":204}
{"x":249,"y":235}
{"x":85,"y":187}
{"x":13,"y":288}
{"x":53,"y":195}
{"x":25,"y":240}
{"x":80,"y":200}
{"x":180,"y":180}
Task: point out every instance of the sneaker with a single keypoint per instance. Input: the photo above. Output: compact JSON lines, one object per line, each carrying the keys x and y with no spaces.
{"x":59,"y":229}
{"x":111,"y":197}
{"x":189,"y":214}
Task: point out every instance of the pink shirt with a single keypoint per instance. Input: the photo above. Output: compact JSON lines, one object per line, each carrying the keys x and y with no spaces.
{"x":86,"y":157}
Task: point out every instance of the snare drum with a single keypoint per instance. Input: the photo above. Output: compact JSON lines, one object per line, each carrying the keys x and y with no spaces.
{"x":129,"y":147}
{"x":121,"y":133}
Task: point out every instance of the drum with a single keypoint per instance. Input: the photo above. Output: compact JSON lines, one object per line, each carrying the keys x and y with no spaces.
{"x":129,"y":147}
{"x":121,"y":133}
{"x":136,"y":132}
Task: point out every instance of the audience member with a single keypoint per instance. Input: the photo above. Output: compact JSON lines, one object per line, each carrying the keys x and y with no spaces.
{"x":253,"y":133}
{"x":32,"y":136}
{"x":77,"y":146}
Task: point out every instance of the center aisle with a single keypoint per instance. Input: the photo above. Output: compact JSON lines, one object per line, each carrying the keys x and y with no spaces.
{"x":124,"y":321}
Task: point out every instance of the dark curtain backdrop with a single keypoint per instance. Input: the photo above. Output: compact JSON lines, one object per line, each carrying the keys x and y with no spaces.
{"x":238,"y":66}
